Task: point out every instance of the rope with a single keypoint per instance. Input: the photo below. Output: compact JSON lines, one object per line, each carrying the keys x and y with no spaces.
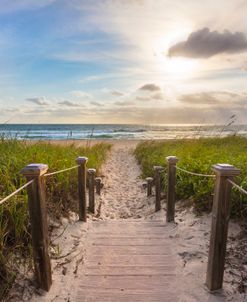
{"x":195,"y":174}
{"x":60,"y":171}
{"x":14,"y":193}
{"x":237,"y":186}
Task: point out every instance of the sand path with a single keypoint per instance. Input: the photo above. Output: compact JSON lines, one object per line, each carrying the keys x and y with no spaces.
{"x":123,"y":195}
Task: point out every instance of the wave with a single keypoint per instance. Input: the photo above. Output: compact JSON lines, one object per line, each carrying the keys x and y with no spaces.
{"x":101,"y":136}
{"x":130,"y":131}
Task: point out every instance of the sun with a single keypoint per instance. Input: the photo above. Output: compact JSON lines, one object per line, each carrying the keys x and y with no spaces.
{"x":176,"y":67}
{"x":180,"y":66}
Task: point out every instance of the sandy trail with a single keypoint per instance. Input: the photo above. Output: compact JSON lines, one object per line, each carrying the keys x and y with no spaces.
{"x":123,"y":195}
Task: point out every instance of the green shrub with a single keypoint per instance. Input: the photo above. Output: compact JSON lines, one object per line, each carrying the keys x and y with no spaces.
{"x":198,"y":155}
{"x":61,"y":192}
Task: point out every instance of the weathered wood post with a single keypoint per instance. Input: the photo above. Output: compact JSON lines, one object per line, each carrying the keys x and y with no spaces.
{"x":149,"y":181}
{"x":82,"y":181}
{"x":91,"y":185}
{"x":38,"y":220}
{"x":219,"y":228}
{"x":98,"y":185}
{"x":157,"y":182}
{"x":171,"y":183}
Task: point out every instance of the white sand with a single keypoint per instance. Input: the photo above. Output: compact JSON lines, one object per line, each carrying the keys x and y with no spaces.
{"x":123,"y":197}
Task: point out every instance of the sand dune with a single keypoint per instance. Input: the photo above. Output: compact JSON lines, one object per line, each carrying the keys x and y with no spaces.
{"x":124,"y":197}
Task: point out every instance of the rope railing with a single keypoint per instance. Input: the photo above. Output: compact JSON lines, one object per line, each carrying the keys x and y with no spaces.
{"x":195,"y":174}
{"x":61,"y":171}
{"x":223,"y":174}
{"x":31,"y":181}
{"x":36,"y":174}
{"x":16,"y":191}
{"x":237,"y":186}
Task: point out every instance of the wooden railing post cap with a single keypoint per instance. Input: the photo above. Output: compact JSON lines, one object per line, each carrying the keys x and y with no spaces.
{"x":91,"y":171}
{"x":81,"y":160}
{"x":225,"y":170}
{"x":172,"y":160}
{"x":34,"y":170}
{"x":158,"y":168}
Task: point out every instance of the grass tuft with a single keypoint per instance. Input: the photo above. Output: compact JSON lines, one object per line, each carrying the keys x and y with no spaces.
{"x":61,"y":193}
{"x":198,"y":155}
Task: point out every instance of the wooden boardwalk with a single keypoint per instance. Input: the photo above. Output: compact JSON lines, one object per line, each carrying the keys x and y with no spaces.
{"x":128,"y":261}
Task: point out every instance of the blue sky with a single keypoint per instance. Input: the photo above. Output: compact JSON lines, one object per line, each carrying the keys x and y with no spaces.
{"x":133,"y":61}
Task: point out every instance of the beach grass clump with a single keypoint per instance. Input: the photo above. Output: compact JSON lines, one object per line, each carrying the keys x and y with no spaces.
{"x":61,"y":193}
{"x":198,"y":155}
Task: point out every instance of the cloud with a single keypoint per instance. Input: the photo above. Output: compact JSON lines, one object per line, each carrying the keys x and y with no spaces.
{"x":96,"y":104}
{"x":124,"y":103}
{"x":11,"y":110}
{"x":70,"y":104}
{"x":17,"y":5}
{"x":205,"y":44}
{"x":80,"y":94}
{"x":38,"y":101}
{"x":150,"y":87}
{"x":143,"y":98}
{"x":220,"y":99}
{"x":113,"y":92}
{"x":156,"y":96}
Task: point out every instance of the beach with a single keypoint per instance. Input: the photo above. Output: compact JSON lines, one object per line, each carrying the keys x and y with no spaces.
{"x":124,"y":197}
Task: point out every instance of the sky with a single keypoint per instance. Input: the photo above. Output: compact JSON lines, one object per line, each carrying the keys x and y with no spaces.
{"x":123,"y":61}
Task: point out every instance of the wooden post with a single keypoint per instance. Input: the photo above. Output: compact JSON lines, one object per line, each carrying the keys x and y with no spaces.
{"x":149,"y":185}
{"x":171,"y":183}
{"x":157,"y":182}
{"x":219,"y":228}
{"x":91,"y":185}
{"x":38,"y":220}
{"x":98,"y":185}
{"x":82,"y":180}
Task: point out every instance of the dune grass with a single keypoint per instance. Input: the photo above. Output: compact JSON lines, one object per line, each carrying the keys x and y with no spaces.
{"x":198,"y":155}
{"x":61,"y":193}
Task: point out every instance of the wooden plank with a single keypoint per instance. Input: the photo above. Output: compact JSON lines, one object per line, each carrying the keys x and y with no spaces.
{"x":128,"y":259}
{"x":129,"y":232}
{"x":136,"y":291}
{"x":126,"y":282}
{"x":127,"y":221}
{"x":138,"y":224}
{"x":131,"y":250}
{"x":126,"y":297}
{"x":128,"y":242}
{"x":164,"y":270}
{"x":96,"y":236}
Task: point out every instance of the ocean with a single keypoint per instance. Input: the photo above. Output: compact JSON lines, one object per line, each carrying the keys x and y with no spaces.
{"x":100,"y":131}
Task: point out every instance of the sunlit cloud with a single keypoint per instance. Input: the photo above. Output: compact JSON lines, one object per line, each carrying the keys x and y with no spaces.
{"x":38,"y":101}
{"x":113,"y":92}
{"x":80,"y":94}
{"x":70,"y":104}
{"x":94,"y":103}
{"x":150,"y":87}
{"x":205,"y":44}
